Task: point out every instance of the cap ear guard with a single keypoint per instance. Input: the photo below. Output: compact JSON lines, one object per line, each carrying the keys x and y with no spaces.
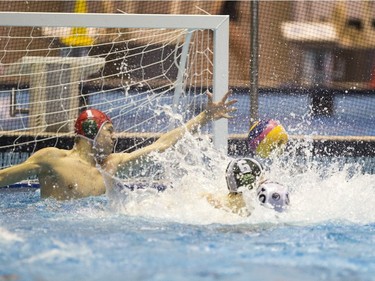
{"x":90,"y":128}
{"x":273,"y":195}
{"x":243,"y":172}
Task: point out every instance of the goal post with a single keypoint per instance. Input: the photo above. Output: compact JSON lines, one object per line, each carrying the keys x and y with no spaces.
{"x":179,"y":47}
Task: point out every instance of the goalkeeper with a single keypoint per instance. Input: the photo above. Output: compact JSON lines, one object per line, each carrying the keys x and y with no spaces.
{"x":87,"y":168}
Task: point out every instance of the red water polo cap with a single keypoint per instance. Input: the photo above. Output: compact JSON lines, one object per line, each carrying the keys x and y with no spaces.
{"x":89,"y":123}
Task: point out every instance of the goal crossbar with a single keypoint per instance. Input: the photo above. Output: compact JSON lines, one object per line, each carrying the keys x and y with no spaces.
{"x":113,"y":20}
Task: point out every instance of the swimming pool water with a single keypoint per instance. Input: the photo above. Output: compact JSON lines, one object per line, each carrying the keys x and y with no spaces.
{"x":328,"y":233}
{"x":83,"y":240}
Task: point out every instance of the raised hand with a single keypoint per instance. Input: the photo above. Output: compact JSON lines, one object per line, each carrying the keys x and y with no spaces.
{"x":221,"y":109}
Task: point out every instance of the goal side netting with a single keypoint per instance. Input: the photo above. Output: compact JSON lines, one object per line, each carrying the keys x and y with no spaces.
{"x":149,"y":73}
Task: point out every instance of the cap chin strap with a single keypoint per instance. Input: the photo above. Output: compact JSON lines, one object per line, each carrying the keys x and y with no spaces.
{"x":101,"y":127}
{"x":94,"y":140}
{"x":86,"y":138}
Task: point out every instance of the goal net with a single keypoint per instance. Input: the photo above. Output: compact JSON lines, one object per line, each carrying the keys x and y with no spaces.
{"x":149,"y":73}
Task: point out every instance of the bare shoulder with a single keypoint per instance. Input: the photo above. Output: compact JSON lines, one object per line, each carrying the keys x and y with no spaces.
{"x":49,"y":152}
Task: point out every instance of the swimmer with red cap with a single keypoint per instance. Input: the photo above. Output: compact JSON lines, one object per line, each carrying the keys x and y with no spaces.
{"x":85,"y":169}
{"x":89,"y":123}
{"x":89,"y":126}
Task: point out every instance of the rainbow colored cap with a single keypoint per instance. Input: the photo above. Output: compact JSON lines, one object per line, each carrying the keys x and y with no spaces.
{"x":265,"y":136}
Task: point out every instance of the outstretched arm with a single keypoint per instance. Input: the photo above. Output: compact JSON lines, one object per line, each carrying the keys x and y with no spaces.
{"x":15,"y":174}
{"x":214,"y":111}
{"x":19,"y":172}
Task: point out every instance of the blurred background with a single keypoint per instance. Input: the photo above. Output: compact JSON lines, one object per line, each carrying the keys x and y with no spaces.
{"x":301,"y":43}
{"x":315,"y":65}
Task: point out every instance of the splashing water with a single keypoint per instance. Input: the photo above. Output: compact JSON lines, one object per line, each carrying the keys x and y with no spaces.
{"x":326,"y":234}
{"x":319,"y":190}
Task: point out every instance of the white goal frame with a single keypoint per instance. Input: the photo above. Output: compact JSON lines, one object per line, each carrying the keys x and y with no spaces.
{"x":219,"y":24}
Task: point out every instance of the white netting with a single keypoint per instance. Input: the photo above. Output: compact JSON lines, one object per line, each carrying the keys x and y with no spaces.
{"x":140,"y":77}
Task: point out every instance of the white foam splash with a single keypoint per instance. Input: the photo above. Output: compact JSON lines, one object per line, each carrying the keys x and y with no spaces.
{"x":8,"y":237}
{"x":62,"y":252}
{"x":317,"y":193}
